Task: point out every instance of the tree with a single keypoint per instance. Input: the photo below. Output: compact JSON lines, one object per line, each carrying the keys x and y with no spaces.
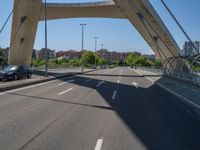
{"x":131,"y":59}
{"x":157,"y":63}
{"x":101,"y":61}
{"x":38,"y":62}
{"x":74,"y":62}
{"x":3,"y":60}
{"x":1,"y":57}
{"x":89,"y":58}
{"x":135,"y":60}
{"x":143,"y":61}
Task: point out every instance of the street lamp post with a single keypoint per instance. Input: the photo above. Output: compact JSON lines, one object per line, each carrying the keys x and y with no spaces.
{"x":82,"y":45}
{"x":102,"y":45}
{"x":45,"y":16}
{"x":95,"y":51}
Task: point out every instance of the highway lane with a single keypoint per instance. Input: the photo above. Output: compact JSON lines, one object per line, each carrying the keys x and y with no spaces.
{"x":49,"y":108}
{"x":110,"y":109}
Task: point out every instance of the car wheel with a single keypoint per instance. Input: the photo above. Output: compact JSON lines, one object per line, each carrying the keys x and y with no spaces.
{"x":6,"y":79}
{"x":29,"y":75}
{"x":15,"y":77}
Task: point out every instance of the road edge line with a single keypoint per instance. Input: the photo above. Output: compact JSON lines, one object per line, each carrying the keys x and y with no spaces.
{"x":14,"y":87}
{"x":180,"y":97}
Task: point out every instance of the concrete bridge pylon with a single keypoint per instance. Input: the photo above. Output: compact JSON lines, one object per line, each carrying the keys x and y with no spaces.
{"x":27,"y":14}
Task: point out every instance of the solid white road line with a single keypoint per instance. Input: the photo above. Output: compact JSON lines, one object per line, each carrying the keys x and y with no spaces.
{"x":88,"y":80}
{"x":118,"y":81}
{"x":135,"y":84}
{"x":65,"y":91}
{"x":182,"y":98}
{"x":100,"y":83}
{"x":28,"y":87}
{"x":99,"y":144}
{"x":32,"y":86}
{"x":114,"y":95}
{"x":69,"y":81}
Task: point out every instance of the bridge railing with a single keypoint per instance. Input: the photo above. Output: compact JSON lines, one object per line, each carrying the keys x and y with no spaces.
{"x":157,"y":70}
{"x":192,"y":77}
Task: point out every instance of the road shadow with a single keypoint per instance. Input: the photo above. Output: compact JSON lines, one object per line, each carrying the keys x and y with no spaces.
{"x":156,"y":117}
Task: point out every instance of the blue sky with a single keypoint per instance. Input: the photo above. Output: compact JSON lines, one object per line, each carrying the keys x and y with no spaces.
{"x":116,"y":34}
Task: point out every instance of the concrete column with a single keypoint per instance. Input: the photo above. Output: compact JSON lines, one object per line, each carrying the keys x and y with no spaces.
{"x":24,"y":26}
{"x":148,"y":23}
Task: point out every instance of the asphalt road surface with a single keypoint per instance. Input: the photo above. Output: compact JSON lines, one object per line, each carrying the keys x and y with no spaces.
{"x":109,"y":109}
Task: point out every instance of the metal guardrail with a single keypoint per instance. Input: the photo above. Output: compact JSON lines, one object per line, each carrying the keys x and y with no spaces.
{"x":193,"y":77}
{"x":186,"y":77}
{"x":152,"y":69}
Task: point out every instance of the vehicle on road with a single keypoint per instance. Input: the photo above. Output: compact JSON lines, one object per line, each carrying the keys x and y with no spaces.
{"x":15,"y":72}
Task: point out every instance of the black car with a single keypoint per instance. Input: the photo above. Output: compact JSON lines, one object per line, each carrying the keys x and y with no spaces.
{"x":14,"y":72}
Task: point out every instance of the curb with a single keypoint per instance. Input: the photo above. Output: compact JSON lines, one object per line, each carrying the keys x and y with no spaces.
{"x":40,"y":81}
{"x":180,"y":97}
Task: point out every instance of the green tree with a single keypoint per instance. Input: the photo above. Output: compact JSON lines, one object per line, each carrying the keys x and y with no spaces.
{"x":38,"y":62}
{"x":143,"y":61}
{"x":74,"y":62}
{"x":136,"y":60}
{"x":3,"y":60}
{"x":101,"y":61}
{"x":157,"y":63}
{"x":89,"y":58}
{"x":132,"y":59}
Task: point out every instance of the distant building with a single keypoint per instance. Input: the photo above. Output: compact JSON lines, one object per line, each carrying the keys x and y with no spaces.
{"x":68,"y":54}
{"x":113,"y":55}
{"x":51,"y":54}
{"x":110,"y":56}
{"x":188,"y":48}
{"x":35,"y":54}
{"x":151,"y":57}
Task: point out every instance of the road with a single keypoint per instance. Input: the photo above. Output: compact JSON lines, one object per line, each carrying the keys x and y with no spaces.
{"x":109,"y":109}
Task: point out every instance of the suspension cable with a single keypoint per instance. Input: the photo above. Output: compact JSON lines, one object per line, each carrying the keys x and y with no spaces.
{"x":6,"y":21}
{"x":184,"y":32}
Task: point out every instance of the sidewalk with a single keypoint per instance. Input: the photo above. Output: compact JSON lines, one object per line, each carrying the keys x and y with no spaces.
{"x":187,"y":92}
{"x":38,"y":77}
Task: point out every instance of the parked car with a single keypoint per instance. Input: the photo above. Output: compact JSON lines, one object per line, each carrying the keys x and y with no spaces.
{"x":15,"y":72}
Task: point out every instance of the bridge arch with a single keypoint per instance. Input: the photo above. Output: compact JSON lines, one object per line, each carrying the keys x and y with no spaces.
{"x":27,"y":14}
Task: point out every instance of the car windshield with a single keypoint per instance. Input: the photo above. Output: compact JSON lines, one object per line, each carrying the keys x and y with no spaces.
{"x":10,"y":68}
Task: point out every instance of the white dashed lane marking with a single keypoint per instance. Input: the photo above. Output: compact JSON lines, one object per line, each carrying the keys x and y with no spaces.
{"x":114,"y":95}
{"x":99,"y":144}
{"x":65,"y":91}
{"x":69,"y":81}
{"x":135,"y":84}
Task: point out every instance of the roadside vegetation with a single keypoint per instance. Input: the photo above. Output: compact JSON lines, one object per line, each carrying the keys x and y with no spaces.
{"x":88,"y":60}
{"x":3,"y":60}
{"x":134,"y":60}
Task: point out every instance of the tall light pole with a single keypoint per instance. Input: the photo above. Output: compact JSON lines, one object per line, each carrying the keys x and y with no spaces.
{"x":82,"y":25}
{"x":102,"y":45}
{"x":95,"y":38}
{"x":45,"y":16}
